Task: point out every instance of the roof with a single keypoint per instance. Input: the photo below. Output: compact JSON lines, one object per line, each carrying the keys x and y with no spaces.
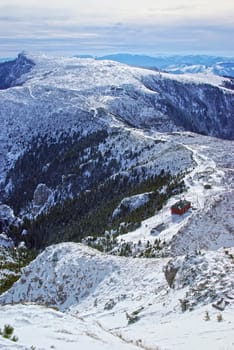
{"x":181,"y":204}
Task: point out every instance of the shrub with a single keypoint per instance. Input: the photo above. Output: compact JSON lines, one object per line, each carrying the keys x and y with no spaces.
{"x":134,"y":316}
{"x":207,"y":316}
{"x":219,"y":317}
{"x":13,"y":259}
{"x":7,"y":333}
{"x":184,"y":304}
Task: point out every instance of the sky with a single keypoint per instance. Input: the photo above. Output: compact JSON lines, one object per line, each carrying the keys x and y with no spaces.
{"x":98,"y":27}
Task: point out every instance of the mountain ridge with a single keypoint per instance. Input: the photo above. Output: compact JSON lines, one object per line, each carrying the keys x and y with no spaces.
{"x":107,"y":93}
{"x":176,"y":64}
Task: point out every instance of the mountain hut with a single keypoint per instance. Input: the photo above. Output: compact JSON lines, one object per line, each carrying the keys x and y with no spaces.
{"x":180,"y":207}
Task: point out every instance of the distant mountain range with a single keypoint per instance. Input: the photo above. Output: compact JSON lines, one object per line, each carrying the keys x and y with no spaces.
{"x":5,"y":59}
{"x":176,"y":64}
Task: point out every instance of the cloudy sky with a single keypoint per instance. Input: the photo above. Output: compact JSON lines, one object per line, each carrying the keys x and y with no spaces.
{"x":103,"y":26}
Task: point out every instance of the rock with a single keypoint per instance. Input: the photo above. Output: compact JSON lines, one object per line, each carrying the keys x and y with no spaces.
{"x":129,"y":204}
{"x":170,"y":272}
{"x":6,"y":241}
{"x":220,"y":304}
{"x":41,"y":195}
{"x":7,"y":218}
{"x":110,"y":304}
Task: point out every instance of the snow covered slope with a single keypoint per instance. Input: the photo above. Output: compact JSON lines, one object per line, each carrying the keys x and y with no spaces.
{"x":41,"y":328}
{"x":75,"y":275}
{"x":46,"y":329}
{"x":126,"y":302}
{"x":62,"y":94}
{"x":127,"y":298}
{"x":209,"y":187}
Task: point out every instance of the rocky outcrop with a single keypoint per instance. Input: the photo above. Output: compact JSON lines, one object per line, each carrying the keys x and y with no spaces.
{"x":170,"y":271}
{"x":41,"y":195}
{"x":129,"y":204}
{"x":12,"y":71}
{"x":7,"y":217}
{"x":207,"y":277}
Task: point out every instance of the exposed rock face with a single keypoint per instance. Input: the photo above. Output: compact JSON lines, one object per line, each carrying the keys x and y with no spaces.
{"x":6,"y":241}
{"x":11,"y":72}
{"x":170,"y":272}
{"x":41,"y":195}
{"x":7,"y":217}
{"x":132,"y":203}
{"x":208,"y":277}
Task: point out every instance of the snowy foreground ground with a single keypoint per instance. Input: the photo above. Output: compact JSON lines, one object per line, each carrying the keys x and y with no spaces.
{"x":73,"y":297}
{"x":49,"y":329}
{"x":98,"y":294}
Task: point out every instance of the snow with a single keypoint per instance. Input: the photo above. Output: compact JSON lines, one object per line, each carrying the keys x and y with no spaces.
{"x":95,"y":291}
{"x":46,"y":329}
{"x":62,"y":331}
{"x":188,"y":331}
{"x":179,"y":64}
{"x":98,"y":319}
{"x":198,"y":78}
{"x":221,"y":69}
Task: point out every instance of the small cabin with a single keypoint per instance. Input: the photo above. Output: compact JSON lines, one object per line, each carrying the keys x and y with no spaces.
{"x":180,"y":207}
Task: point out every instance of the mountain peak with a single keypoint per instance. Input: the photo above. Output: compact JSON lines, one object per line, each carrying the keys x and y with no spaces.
{"x":12,"y":71}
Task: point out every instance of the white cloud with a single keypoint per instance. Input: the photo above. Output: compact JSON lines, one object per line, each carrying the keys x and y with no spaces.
{"x":136,"y":24}
{"x":106,"y":11}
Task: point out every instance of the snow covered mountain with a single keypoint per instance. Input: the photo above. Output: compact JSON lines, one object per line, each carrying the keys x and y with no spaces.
{"x":99,"y":149}
{"x":223,"y":66}
{"x":46,"y":100}
{"x":73,"y":129}
{"x":225,"y":69}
